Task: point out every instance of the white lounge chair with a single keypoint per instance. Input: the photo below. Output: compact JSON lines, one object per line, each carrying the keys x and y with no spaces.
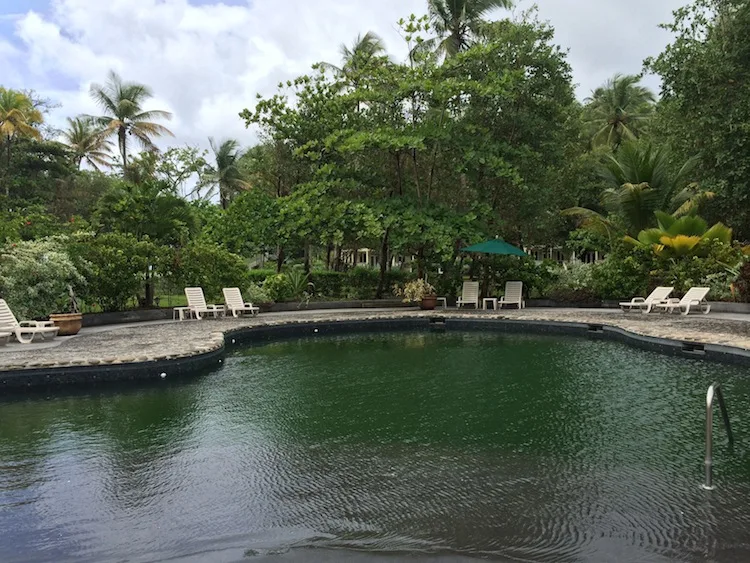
{"x":235,"y":304}
{"x":197,"y":303}
{"x":25,"y":331}
{"x":695,"y":297}
{"x":4,"y":337}
{"x":513,"y":295}
{"x":469,"y":295}
{"x":659,"y":295}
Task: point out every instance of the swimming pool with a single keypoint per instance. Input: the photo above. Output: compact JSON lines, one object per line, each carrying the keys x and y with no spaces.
{"x":367,"y":447}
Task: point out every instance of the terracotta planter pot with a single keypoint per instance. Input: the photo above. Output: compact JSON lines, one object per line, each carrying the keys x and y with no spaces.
{"x":69,"y":323}
{"x":428,"y":303}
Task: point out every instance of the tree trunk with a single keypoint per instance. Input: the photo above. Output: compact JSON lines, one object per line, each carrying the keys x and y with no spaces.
{"x":420,"y":264}
{"x":329,"y":248}
{"x":307,"y":257}
{"x":279,"y":259}
{"x":383,"y":265}
{"x":148,"y":301}
{"x":337,"y":260}
{"x":7,"y":170}
{"x":123,"y":140}
{"x":223,"y":198}
{"x":416,"y":176}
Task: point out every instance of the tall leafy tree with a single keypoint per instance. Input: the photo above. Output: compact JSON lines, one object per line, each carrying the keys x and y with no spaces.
{"x":18,"y":118}
{"x":458,"y":23}
{"x":88,"y":143}
{"x":705,"y":107}
{"x":125,"y":115}
{"x":471,"y":141}
{"x":618,"y":111}
{"x":225,"y":176}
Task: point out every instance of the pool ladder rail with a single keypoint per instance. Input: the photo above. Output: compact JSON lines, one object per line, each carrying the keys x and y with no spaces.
{"x":714,"y":392}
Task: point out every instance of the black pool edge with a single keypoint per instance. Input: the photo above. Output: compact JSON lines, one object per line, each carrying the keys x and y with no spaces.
{"x":182,"y":367}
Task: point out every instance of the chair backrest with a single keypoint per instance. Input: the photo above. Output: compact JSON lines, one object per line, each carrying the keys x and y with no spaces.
{"x":195,"y":297}
{"x":695,"y":294}
{"x":233,"y":297}
{"x":7,"y":318}
{"x":513,"y":292}
{"x":470,"y":292}
{"x":659,"y":294}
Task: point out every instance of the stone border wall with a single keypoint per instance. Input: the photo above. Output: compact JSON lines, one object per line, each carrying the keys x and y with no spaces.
{"x":211,"y":356}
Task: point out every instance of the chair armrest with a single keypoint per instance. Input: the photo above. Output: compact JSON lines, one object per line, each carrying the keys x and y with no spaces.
{"x":638,"y":300}
{"x":36,"y":324}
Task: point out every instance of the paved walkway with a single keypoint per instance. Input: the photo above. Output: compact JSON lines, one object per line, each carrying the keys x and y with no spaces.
{"x":174,"y":339}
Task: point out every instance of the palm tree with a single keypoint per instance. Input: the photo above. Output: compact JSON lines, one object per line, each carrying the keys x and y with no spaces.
{"x":618,"y":110}
{"x":122,"y":103}
{"x":226,"y":174}
{"x":458,"y":23}
{"x":355,"y":58}
{"x":640,"y":183}
{"x":18,"y":118}
{"x":88,"y":143}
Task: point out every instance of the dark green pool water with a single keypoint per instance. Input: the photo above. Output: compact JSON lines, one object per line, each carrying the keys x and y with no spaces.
{"x":385,"y":447}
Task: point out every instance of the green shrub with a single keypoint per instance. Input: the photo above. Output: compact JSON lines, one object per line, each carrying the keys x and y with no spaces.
{"x":535,"y":277}
{"x":114,"y":265}
{"x":276,"y":287}
{"x":299,"y":283}
{"x":712,"y":268}
{"x":358,"y":283}
{"x":572,"y":283}
{"x":742,"y":283}
{"x":448,"y":284}
{"x":255,"y":294}
{"x":259,"y":276}
{"x":328,"y":283}
{"x":203,"y":264}
{"x":622,"y":276}
{"x":35,"y":275}
{"x":361,"y":283}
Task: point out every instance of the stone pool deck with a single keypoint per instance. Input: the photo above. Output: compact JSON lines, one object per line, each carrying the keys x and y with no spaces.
{"x":154,"y":341}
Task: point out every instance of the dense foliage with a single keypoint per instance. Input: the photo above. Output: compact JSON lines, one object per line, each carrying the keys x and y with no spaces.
{"x":35,"y":277}
{"x":373,"y":172}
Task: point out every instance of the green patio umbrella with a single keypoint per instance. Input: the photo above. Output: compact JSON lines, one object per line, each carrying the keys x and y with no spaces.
{"x":495,"y":246}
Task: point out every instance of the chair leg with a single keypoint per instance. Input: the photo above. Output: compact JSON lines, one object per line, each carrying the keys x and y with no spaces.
{"x":22,"y":339}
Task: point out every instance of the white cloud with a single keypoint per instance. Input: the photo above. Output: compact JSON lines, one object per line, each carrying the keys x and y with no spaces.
{"x":206,"y":61}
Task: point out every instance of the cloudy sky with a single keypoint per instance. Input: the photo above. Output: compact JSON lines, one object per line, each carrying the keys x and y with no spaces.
{"x":206,"y":59}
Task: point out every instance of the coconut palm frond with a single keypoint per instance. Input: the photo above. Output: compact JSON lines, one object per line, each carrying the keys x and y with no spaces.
{"x":122,"y":103}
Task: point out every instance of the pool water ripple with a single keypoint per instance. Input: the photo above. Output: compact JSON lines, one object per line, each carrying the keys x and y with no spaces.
{"x":365,"y":448}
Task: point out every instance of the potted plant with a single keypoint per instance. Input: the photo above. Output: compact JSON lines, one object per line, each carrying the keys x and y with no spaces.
{"x":69,"y":323}
{"x":419,"y":291}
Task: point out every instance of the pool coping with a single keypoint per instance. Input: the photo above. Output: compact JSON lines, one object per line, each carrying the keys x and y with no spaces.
{"x":212,"y":355}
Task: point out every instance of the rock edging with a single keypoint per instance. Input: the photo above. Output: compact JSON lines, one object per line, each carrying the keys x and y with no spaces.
{"x":206,"y":351}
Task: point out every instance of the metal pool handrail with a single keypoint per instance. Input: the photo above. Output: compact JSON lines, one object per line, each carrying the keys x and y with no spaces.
{"x":714,"y":391}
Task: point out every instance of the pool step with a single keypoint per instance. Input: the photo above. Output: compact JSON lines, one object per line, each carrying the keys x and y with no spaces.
{"x":437,"y":324}
{"x":693,"y":349}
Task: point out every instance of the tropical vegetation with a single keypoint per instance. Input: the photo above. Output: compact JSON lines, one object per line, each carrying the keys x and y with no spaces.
{"x":373,"y":172}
